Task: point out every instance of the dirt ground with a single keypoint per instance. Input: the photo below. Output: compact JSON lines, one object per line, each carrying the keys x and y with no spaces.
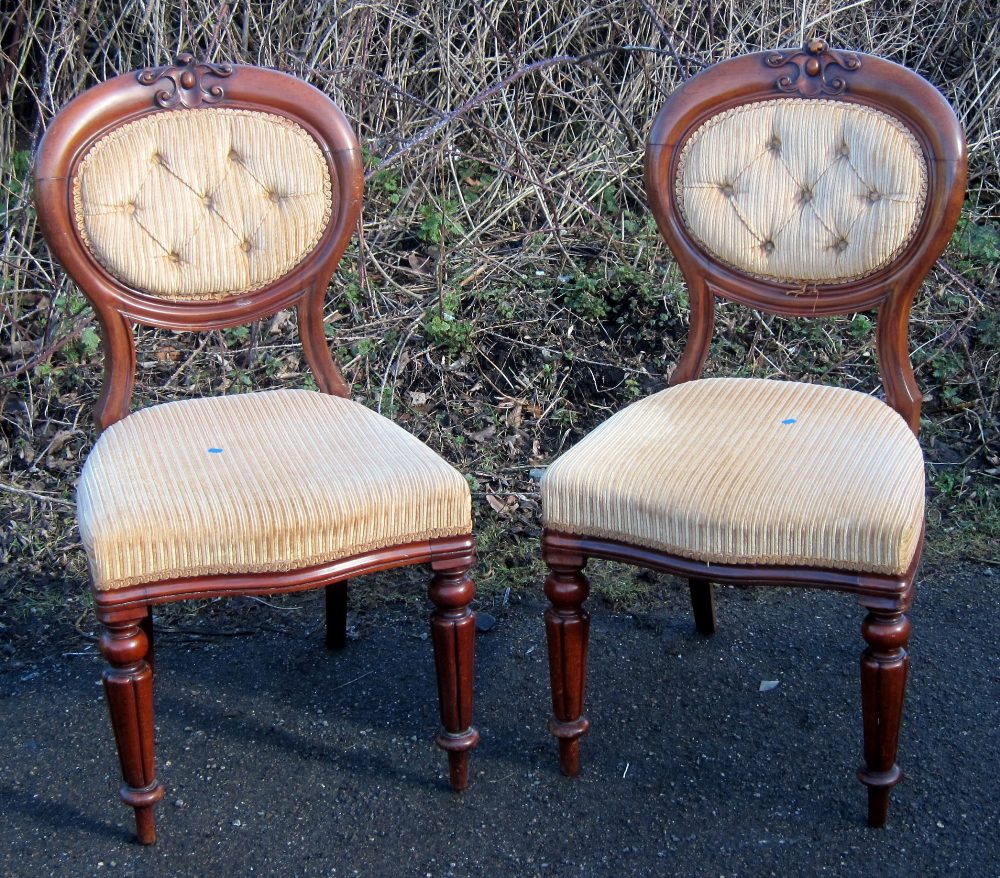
{"x":282,"y":759}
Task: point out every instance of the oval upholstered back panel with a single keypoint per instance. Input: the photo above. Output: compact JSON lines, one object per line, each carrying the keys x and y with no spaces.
{"x":796,"y":190}
{"x":204,"y":203}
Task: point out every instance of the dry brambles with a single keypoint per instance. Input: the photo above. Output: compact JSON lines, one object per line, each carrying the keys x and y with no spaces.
{"x":509,"y":289}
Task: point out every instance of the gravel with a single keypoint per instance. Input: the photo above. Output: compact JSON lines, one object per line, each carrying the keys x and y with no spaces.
{"x":282,"y":759}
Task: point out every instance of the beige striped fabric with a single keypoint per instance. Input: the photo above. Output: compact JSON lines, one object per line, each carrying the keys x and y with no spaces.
{"x":203,"y":204}
{"x":748,"y":471}
{"x":812,"y":191}
{"x":268,"y":481}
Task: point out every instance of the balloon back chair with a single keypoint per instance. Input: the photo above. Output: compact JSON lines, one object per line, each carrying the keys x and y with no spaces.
{"x":198,"y":197}
{"x":800,"y":182}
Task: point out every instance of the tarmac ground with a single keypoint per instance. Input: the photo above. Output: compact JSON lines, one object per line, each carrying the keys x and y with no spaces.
{"x":280,"y":758}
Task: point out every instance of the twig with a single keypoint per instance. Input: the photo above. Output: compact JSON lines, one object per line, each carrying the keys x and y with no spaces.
{"x":349,"y":682}
{"x":44,"y":498}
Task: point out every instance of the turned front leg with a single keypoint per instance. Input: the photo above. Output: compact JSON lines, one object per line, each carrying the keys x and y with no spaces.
{"x":146,"y":624}
{"x":453,"y":631}
{"x":884,"y":666}
{"x":128,"y":685}
{"x":567,"y":626}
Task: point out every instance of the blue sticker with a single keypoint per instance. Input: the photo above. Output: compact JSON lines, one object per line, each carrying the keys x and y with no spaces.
{"x":215,"y":451}
{"x":786,"y":421}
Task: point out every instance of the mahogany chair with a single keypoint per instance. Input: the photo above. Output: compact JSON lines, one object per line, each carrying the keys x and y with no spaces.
{"x":202,"y":196}
{"x":799,"y":182}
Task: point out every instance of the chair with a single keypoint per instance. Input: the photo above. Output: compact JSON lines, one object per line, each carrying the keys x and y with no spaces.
{"x":202,"y":196}
{"x":799,"y":182}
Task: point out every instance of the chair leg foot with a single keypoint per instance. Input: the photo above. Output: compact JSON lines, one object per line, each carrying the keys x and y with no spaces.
{"x":458,"y":769}
{"x":458,"y":766}
{"x":145,"y":825}
{"x":703,"y":604}
{"x":569,"y":756}
{"x":453,"y":632}
{"x":336,"y":615}
{"x":884,"y":666}
{"x":128,"y":685}
{"x":567,"y":628}
{"x":878,"y":806}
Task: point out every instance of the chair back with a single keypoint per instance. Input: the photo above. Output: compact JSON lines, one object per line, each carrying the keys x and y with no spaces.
{"x":199,"y":196}
{"x":808,"y":182}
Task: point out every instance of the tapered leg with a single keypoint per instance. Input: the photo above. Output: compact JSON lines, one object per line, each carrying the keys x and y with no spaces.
{"x":884,"y":665}
{"x":703,"y":604}
{"x":128,"y":685}
{"x":567,"y":626}
{"x":453,"y":630}
{"x":336,"y":615}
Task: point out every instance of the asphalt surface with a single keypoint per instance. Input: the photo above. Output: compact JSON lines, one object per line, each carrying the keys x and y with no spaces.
{"x":282,"y":759}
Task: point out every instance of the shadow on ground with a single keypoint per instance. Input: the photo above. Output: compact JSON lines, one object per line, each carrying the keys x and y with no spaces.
{"x":282,"y":759}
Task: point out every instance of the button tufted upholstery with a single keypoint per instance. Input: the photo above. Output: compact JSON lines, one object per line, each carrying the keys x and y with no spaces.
{"x":802,"y":190}
{"x":195,"y":196}
{"x":801,"y":181}
{"x":203,"y":204}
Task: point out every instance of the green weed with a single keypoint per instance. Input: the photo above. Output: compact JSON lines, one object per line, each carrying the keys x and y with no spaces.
{"x":438,"y":220}
{"x":444,"y":327}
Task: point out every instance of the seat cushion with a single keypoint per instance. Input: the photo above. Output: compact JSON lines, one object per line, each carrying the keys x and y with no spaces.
{"x":748,"y":471}
{"x":270,"y":481}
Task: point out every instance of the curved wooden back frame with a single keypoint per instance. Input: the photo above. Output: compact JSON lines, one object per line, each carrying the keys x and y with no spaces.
{"x":127,"y":643}
{"x":813,"y":71}
{"x":188,"y":85}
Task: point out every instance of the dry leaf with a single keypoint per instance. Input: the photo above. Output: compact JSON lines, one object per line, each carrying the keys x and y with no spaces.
{"x":483,"y":435}
{"x":497,"y":504}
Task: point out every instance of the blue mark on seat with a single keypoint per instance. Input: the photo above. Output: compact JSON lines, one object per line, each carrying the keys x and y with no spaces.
{"x":786,"y":421}
{"x":215,"y":451}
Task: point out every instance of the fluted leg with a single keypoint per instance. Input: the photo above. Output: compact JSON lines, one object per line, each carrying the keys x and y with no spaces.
{"x":128,"y":685}
{"x":453,"y":630}
{"x":336,"y":615}
{"x":567,"y":626}
{"x":884,"y":665}
{"x":146,"y":624}
{"x":703,"y":604}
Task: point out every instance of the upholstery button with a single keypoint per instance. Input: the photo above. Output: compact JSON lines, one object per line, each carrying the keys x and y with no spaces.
{"x":767,"y":247}
{"x":805,"y":195}
{"x":156,"y":159}
{"x":840,"y":245}
{"x":275,"y":197}
{"x":174,"y":257}
{"x":130,"y":208}
{"x":246,"y":246}
{"x":873,"y":196}
{"x":844,"y":151}
{"x":208,"y":202}
{"x":774,"y":144}
{"x":234,"y":156}
{"x":727,"y":189}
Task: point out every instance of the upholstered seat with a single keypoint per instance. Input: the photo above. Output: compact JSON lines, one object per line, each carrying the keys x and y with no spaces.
{"x":198,"y":197}
{"x":748,"y":471}
{"x":258,"y":482}
{"x":801,"y":182}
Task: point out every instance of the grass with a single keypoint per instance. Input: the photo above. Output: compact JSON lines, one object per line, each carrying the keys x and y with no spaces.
{"x":510,"y":290}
